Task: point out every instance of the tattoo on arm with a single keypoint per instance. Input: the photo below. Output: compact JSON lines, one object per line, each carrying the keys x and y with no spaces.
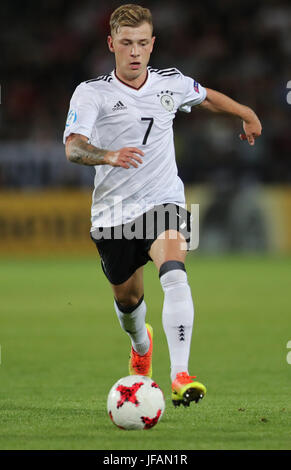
{"x":85,"y":154}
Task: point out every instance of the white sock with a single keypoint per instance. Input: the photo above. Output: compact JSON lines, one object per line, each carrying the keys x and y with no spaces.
{"x":178,"y":318}
{"x":134,"y":325}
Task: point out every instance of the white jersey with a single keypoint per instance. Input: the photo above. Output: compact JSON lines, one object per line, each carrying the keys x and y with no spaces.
{"x":114,"y":115}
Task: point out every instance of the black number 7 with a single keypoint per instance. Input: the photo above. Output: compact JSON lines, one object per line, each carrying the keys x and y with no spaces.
{"x":148,"y":129}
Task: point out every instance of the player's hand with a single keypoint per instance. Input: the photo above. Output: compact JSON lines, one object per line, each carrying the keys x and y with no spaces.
{"x":125,"y":157}
{"x":252,"y":128}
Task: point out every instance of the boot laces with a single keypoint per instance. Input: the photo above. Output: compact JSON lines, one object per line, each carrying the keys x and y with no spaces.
{"x":184,"y":377}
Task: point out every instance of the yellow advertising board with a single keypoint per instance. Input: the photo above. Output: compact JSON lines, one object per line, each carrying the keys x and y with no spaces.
{"x":52,"y":222}
{"x":45,"y":222}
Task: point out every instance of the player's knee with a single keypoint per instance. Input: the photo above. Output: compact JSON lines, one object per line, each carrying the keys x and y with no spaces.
{"x":172,"y":274}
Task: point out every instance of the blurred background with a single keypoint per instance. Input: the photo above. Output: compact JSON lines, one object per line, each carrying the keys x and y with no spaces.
{"x":240,"y":48}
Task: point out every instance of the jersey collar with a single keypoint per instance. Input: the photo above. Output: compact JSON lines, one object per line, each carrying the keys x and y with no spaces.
{"x":129,"y":88}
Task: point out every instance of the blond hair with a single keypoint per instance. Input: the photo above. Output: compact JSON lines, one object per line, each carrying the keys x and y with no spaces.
{"x":129,"y":15}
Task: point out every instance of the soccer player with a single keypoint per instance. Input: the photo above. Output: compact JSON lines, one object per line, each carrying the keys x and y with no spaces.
{"x":121,"y":123}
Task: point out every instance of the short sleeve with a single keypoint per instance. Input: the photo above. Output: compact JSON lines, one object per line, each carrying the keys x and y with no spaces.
{"x":194,"y":94}
{"x":83,"y":112}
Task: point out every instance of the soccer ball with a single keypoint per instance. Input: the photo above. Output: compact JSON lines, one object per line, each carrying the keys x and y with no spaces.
{"x":135,"y":402}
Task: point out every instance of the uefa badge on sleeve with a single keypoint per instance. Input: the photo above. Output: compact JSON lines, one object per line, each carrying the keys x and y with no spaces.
{"x":71,"y":118}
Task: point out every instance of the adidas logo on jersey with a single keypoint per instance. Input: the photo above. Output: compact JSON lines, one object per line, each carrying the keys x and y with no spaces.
{"x":119,"y":106}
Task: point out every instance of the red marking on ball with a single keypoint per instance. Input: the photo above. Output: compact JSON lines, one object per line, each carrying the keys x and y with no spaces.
{"x":128,"y":394}
{"x":150,"y":422}
{"x":155,"y":385}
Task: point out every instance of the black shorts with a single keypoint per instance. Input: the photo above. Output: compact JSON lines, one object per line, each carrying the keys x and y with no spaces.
{"x":124,"y":248}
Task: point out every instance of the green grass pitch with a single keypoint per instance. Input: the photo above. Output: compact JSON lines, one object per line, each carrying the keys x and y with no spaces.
{"x":62,"y":349}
